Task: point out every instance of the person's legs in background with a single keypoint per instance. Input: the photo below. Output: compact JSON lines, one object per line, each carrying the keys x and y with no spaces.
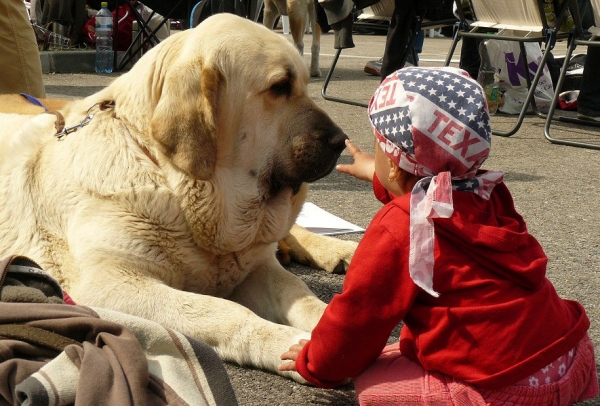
{"x":418,"y":47}
{"x":20,"y":65}
{"x":398,"y":36}
{"x":374,"y":67}
{"x":469,"y":56}
{"x":588,"y":101}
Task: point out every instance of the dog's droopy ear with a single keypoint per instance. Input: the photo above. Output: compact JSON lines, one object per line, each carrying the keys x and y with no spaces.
{"x":184,"y":121}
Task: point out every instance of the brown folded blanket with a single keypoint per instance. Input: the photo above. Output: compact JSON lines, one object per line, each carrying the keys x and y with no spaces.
{"x":53,"y":353}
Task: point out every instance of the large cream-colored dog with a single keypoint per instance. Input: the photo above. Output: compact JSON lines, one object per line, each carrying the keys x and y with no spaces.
{"x":169,"y":204}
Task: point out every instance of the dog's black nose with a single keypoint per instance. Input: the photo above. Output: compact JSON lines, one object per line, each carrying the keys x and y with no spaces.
{"x":337,"y":140}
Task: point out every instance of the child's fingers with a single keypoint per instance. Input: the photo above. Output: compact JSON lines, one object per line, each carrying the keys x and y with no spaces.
{"x":352,"y":148}
{"x":343,"y":168}
{"x":291,"y":354}
{"x":287,"y":366}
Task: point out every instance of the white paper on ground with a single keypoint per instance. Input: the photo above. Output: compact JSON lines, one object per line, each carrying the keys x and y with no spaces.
{"x":320,"y":221}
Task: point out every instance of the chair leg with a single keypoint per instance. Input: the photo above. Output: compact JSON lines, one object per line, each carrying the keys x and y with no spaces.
{"x":335,"y":61}
{"x":554,"y":104}
{"x":455,"y":40}
{"x":328,"y":79}
{"x":529,"y":100}
{"x":150,"y":34}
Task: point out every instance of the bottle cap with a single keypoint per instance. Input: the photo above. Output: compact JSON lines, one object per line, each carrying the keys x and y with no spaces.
{"x":104,"y":4}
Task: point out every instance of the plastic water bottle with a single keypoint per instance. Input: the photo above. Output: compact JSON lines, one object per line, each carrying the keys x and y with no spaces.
{"x":104,"y":40}
{"x":488,"y":78}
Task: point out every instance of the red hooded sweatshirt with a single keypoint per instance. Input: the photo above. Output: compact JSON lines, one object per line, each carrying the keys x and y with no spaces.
{"x":497,"y":320}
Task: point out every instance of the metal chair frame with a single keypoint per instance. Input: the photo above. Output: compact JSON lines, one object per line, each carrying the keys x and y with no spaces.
{"x":419,"y":24}
{"x":577,"y":38}
{"x":542,"y":33}
{"x":146,"y":37}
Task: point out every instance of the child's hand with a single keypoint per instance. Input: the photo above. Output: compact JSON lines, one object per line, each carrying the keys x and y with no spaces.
{"x":292,"y":354}
{"x":363,"y":167}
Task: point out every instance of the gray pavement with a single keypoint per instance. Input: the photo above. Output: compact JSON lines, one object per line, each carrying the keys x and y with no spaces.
{"x":555,"y":188}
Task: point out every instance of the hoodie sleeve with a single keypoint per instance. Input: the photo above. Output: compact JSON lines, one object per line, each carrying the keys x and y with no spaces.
{"x":376,"y":295}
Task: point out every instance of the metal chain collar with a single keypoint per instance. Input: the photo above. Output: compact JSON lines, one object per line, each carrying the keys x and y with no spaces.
{"x":62,"y":131}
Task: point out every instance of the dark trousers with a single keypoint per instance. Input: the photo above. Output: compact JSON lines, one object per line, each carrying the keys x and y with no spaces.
{"x":588,"y":101}
{"x":398,"y":36}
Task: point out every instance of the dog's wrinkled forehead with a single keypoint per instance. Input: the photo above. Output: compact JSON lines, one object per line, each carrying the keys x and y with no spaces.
{"x":234,"y":42}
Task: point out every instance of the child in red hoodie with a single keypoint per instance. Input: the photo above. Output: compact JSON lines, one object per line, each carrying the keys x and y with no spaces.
{"x":449,"y":256}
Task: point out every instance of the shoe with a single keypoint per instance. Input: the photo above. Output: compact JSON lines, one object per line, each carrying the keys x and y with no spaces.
{"x":373,"y":67}
{"x":586,"y":117}
{"x":576,"y":64}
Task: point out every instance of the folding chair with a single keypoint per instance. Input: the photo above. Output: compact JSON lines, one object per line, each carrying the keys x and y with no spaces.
{"x":146,"y":37}
{"x":383,"y":10}
{"x":577,"y":38}
{"x":514,"y":20}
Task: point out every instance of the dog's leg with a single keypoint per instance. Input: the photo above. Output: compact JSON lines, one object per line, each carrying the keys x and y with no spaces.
{"x":270,"y":14}
{"x":315,"y":49}
{"x":298,"y":15}
{"x":277,"y":295}
{"x":236,"y":333}
{"x":319,"y":251}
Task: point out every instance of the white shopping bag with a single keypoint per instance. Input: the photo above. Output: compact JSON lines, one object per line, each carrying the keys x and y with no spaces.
{"x":506,"y":57}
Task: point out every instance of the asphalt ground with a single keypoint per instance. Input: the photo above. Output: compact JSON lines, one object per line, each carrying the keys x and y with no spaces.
{"x":555,"y":188}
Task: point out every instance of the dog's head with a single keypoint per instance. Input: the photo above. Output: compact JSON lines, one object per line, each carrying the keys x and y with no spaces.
{"x":231,"y":93}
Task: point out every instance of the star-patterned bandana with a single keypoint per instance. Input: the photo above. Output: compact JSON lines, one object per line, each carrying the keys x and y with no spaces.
{"x":433,"y":123}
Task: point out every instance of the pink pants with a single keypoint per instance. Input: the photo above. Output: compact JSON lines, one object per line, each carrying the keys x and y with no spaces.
{"x":396,"y":380}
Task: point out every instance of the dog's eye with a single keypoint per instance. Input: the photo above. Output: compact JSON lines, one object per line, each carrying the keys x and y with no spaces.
{"x":283,"y":88}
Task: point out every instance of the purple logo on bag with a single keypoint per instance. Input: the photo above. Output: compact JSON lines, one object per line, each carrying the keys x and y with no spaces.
{"x":516,"y":69}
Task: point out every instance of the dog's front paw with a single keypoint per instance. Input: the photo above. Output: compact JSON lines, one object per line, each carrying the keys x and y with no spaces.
{"x":318,"y":251}
{"x":315,"y":72}
{"x":336,"y":255}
